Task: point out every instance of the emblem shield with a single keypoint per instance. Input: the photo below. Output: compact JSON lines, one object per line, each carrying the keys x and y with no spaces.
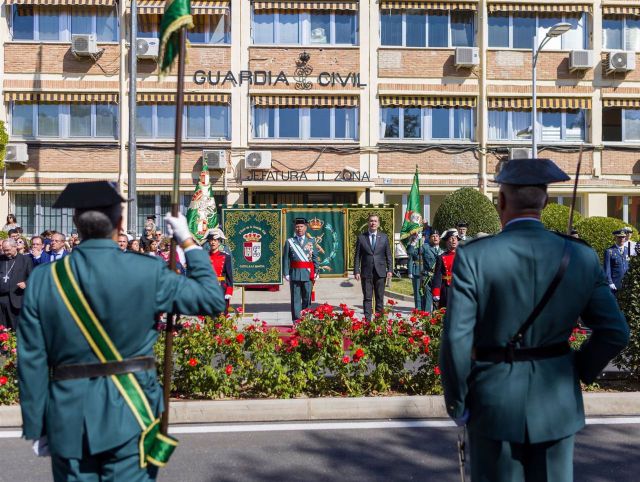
{"x":252,"y":251}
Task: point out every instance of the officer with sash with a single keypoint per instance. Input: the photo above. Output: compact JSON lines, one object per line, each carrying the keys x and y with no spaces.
{"x":300,"y":267}
{"x":507,"y":367}
{"x":430,"y":254}
{"x":89,"y":392}
{"x":616,"y":260}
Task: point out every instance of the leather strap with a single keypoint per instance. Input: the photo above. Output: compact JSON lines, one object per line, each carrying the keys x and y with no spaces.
{"x":107,"y":369}
{"x":501,"y":354}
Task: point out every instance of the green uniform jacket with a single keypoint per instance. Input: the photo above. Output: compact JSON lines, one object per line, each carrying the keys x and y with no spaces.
{"x":288,"y":255}
{"x":126,"y":291}
{"x":497,"y":281}
{"x":429,"y":257}
{"x":414,"y":264}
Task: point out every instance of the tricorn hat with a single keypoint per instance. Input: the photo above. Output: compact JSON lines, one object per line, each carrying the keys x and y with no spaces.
{"x":449,"y":233}
{"x":300,"y":221}
{"x":434,"y":231}
{"x":530,"y":172}
{"x":462,"y":224}
{"x":216,"y":233}
{"x":90,"y":195}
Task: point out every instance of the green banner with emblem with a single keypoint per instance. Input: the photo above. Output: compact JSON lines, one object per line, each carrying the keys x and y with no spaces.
{"x":326,"y":226}
{"x":357,"y":223}
{"x":254,"y":240}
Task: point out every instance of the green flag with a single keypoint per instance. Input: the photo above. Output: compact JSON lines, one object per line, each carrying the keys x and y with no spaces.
{"x":202,"y":214}
{"x":413,"y":216}
{"x":177,"y":14}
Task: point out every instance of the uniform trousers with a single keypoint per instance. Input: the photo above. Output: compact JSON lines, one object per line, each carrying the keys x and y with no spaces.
{"x":115,"y":465}
{"x":418,"y":298}
{"x":300,"y":297}
{"x":8,"y":313}
{"x":500,"y":461}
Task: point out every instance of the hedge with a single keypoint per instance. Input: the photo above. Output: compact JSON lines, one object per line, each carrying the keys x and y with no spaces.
{"x":470,"y":206}
{"x":629,"y":299}
{"x":597,"y":232}
{"x":556,"y":217}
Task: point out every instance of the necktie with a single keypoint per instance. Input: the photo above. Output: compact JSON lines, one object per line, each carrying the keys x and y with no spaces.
{"x":373,"y":241}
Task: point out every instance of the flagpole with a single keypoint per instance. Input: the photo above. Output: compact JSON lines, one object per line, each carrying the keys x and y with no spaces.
{"x":175,"y":200}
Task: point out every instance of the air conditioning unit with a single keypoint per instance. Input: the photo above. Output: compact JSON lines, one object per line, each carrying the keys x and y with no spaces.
{"x":620,"y":61}
{"x":580,"y":59}
{"x":520,"y":153}
{"x":467,"y":56}
{"x":147,"y":48}
{"x":16,"y":154}
{"x":84,"y":45}
{"x":257,"y":160}
{"x":216,"y":159}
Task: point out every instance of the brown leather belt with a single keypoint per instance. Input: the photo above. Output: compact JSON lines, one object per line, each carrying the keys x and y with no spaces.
{"x":222,"y":278}
{"x":510,"y":354}
{"x":92,"y":370}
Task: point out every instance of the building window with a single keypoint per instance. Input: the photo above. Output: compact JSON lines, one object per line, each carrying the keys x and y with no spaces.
{"x":203,"y":121}
{"x":621,"y":33}
{"x":518,"y":30}
{"x":416,"y":28}
{"x":35,"y":213}
{"x":427,"y":123}
{"x":305,"y":123}
{"x":305,"y":28}
{"x":626,"y":208}
{"x":210,"y":29}
{"x":553,"y":125}
{"x":64,"y":120}
{"x":51,"y":24}
{"x":620,"y":125}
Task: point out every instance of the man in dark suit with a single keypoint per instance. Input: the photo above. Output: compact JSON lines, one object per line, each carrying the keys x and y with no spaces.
{"x":372,"y":264}
{"x":57,"y":247}
{"x":14,"y":271}
{"x":37,"y":253}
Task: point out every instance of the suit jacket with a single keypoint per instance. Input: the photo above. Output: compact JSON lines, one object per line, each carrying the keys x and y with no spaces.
{"x":368,"y":261}
{"x":616,"y":264}
{"x":50,"y":254}
{"x":289,"y":255}
{"x":20,"y":272}
{"x":126,"y":291}
{"x":496,"y":284}
{"x":43,"y":259}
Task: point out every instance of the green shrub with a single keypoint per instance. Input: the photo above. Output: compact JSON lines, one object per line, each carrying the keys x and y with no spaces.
{"x":629,"y":299}
{"x":556,"y":217}
{"x":4,"y":235}
{"x":470,"y":206}
{"x":597,"y":232}
{"x":4,"y":139}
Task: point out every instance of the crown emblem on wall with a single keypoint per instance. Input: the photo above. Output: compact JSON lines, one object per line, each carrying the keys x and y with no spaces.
{"x":252,"y":237}
{"x":316,"y":224}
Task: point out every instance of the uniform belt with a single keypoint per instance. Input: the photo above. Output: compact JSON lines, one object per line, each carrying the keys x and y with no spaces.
{"x":510,"y":354}
{"x":222,"y":278}
{"x":446,"y":278}
{"x":91,"y":370}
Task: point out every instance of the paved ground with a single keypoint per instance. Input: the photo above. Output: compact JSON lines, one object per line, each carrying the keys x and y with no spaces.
{"x":603,"y":453}
{"x":274,"y":307}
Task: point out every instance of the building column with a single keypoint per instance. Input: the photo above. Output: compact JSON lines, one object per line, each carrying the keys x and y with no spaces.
{"x":426,"y":208}
{"x":625,"y":209}
{"x":596,"y":98}
{"x":482,"y":111}
{"x":596,"y":204}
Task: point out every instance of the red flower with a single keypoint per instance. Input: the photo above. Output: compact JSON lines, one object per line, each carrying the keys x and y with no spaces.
{"x":228,"y":370}
{"x":434,"y":321}
{"x":4,"y":336}
{"x":572,"y":338}
{"x":3,"y":381}
{"x":392,"y":302}
{"x":193,"y":362}
{"x":413,"y":319}
{"x":358,"y":355}
{"x":345,"y":359}
{"x":411,"y":340}
{"x":239,"y":310}
{"x":437,"y":371}
{"x":426,"y":340}
{"x":218,"y":326}
{"x":240,"y":338}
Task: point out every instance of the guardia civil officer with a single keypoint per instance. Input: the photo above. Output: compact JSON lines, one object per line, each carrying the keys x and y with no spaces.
{"x":415,"y":269}
{"x":616,"y":260}
{"x":507,"y":368}
{"x":430,"y":254}
{"x":87,"y":376}
{"x":300,"y":267}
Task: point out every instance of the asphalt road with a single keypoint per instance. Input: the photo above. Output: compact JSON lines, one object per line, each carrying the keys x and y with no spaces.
{"x":603,"y":453}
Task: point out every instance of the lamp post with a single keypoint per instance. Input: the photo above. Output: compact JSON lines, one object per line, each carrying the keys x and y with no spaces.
{"x":555,"y":31}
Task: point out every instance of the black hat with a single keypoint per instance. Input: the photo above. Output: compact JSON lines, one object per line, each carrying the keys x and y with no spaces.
{"x":574,"y":231}
{"x":462,"y":224}
{"x":299,"y":221}
{"x":89,"y":195}
{"x":620,"y":232}
{"x":434,"y":231}
{"x":530,"y":172}
{"x":151,"y":216}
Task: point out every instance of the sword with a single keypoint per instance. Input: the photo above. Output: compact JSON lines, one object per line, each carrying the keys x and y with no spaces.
{"x":575,"y":191}
{"x":462,"y":436}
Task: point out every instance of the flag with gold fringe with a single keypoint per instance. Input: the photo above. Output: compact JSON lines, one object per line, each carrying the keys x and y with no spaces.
{"x":177,"y":14}
{"x":202,"y":214}
{"x":413,"y":216}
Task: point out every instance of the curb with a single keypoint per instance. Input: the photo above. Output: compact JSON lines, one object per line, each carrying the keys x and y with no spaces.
{"x":362,"y":408}
{"x":398,"y":296}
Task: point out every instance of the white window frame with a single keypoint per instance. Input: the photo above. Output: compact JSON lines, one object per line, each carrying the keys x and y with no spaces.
{"x":64,"y":123}
{"x":64,"y":26}
{"x":207,"y":123}
{"x":427,"y":46}
{"x":585,"y":33}
{"x":625,"y":31}
{"x":304,"y":29}
{"x":209,"y":33}
{"x":304,"y":125}
{"x":623,"y":125}
{"x":426,"y":126}
{"x":563,"y":127}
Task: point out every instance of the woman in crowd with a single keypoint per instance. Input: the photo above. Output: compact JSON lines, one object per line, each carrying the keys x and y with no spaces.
{"x":152,"y":248}
{"x":22,"y":246}
{"x":12,"y":223}
{"x":134,"y":245}
{"x":165,"y":249}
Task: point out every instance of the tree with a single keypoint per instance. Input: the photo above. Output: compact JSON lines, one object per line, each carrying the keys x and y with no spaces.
{"x":470,"y":206}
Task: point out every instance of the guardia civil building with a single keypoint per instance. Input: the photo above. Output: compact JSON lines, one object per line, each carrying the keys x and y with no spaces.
{"x":321,"y":101}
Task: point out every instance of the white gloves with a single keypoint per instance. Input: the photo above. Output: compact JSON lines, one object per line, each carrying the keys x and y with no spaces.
{"x":436,"y":298}
{"x":613,"y":287}
{"x":41,"y":447}
{"x":410,"y":276}
{"x":227,"y":297}
{"x":178,"y":227}
{"x":286,"y":277}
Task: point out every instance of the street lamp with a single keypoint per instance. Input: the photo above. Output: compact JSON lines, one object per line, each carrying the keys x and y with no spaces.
{"x":555,"y":31}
